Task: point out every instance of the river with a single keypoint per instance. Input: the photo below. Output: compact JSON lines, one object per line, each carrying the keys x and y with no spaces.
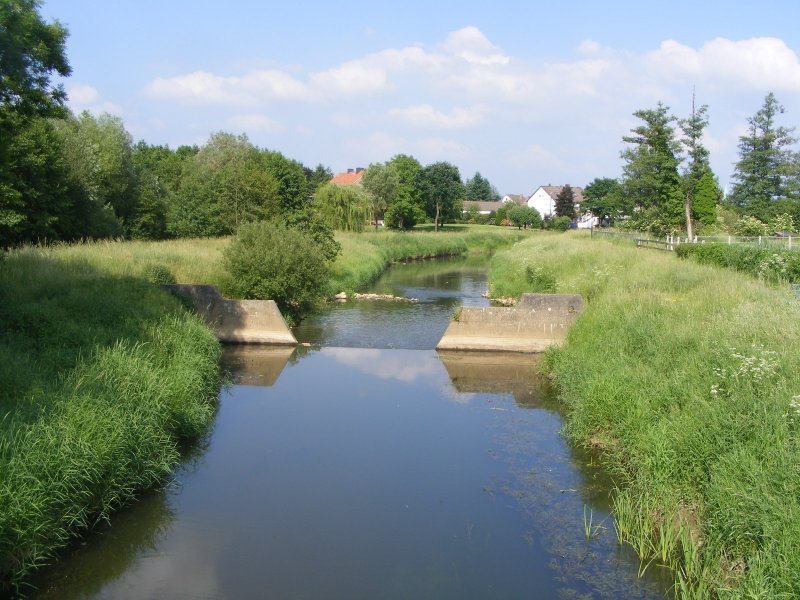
{"x":370,"y":466}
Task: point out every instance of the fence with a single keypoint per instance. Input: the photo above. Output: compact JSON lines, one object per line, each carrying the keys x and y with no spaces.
{"x":789,"y":242}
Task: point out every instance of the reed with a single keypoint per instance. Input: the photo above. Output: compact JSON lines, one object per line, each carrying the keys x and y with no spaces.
{"x":686,"y":378}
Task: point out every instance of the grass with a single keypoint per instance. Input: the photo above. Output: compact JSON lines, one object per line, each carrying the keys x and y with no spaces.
{"x":104,"y":379}
{"x":686,"y":378}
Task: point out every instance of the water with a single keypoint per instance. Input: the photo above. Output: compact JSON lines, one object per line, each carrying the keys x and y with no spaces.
{"x":371,"y":472}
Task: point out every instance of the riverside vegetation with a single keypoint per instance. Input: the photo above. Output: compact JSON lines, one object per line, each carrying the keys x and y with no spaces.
{"x":686,"y":378}
{"x":106,"y":379}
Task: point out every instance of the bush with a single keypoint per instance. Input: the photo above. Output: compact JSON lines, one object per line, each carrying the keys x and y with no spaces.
{"x":403,"y":214}
{"x":271,"y":262}
{"x":558,"y":223}
{"x":765,"y":262}
{"x":159,"y":275}
{"x":749,"y":226}
{"x":541,"y":280}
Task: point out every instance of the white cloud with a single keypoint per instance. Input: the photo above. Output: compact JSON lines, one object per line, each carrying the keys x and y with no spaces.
{"x":86,"y":97}
{"x":471,"y":45}
{"x":426,"y":116}
{"x":201,"y":87}
{"x":352,"y":78}
{"x":756,"y":63}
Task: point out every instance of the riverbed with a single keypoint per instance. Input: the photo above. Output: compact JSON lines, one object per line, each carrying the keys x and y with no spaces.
{"x":367,"y":465}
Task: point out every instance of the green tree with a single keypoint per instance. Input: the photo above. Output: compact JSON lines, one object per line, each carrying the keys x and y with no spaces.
{"x":441,"y":188}
{"x":763,"y":174}
{"x":479,"y":188}
{"x":603,"y":197}
{"x":697,"y":170}
{"x":31,"y":52}
{"x":565,"y":202}
{"x":318,"y":177}
{"x":403,"y":214}
{"x":706,"y":196}
{"x":524,"y":216}
{"x":650,"y":171}
{"x":344,"y":207}
{"x":292,"y":186}
{"x":98,"y":153}
{"x":224,"y":185}
{"x":381,"y":182}
{"x":407,"y":168}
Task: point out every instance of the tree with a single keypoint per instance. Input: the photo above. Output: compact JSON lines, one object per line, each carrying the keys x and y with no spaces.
{"x":402,"y":214}
{"x":345,"y":207}
{"x":565,"y":202}
{"x":31,"y":51}
{"x":292,"y":186}
{"x":603,"y":198}
{"x":381,"y":182}
{"x":650,"y":173}
{"x":479,"y":188}
{"x":524,"y":216}
{"x":698,"y":166}
{"x":441,"y":188}
{"x":763,"y":173}
{"x":224,"y":186}
{"x":98,"y":153}
{"x":407,"y":168}
{"x":318,"y":177}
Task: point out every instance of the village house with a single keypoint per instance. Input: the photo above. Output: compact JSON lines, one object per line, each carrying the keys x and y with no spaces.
{"x":544,"y":199}
{"x":520,"y":199}
{"x":349,"y":177}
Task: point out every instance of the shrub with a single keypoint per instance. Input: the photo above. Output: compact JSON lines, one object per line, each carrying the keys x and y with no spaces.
{"x":271,"y":262}
{"x":558,"y":223}
{"x":541,"y":280}
{"x":781,"y":223}
{"x":765,"y":262}
{"x":159,"y":274}
{"x":402,"y":214}
{"x":749,"y":226}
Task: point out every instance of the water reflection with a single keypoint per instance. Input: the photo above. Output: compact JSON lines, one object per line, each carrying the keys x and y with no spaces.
{"x":362,"y":473}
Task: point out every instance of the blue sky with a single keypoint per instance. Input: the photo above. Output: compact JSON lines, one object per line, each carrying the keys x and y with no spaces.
{"x":528,"y":94}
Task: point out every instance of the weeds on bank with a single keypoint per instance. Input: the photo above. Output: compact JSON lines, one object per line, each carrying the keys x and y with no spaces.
{"x":103,"y":378}
{"x":687,"y":379}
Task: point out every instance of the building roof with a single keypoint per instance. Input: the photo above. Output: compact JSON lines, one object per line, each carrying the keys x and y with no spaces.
{"x":349,"y":177}
{"x":555,"y":190}
{"x":485,"y":207}
{"x":518,"y":198}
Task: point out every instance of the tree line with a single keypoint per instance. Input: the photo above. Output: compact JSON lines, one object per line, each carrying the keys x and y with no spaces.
{"x":668,"y":186}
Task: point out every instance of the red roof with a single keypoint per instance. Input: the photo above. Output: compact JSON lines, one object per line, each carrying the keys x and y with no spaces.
{"x":348,"y":178}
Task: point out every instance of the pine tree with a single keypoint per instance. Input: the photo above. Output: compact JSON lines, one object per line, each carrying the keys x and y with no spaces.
{"x":565,"y":202}
{"x":762,"y":174}
{"x":698,"y":159}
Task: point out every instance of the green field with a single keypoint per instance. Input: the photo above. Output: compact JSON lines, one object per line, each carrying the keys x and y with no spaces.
{"x":686,"y":379}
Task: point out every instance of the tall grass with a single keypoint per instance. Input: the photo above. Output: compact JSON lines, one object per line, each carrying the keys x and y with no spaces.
{"x":103,"y":377}
{"x":687,"y":378}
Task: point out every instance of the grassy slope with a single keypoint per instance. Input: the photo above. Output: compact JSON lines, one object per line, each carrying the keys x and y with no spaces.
{"x":103,"y":377}
{"x":685,"y":376}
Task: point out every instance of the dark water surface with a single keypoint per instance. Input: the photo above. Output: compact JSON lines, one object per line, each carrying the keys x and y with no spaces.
{"x":371,"y":472}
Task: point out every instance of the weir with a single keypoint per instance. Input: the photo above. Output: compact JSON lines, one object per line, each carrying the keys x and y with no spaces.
{"x":535,"y":323}
{"x":237,"y":321}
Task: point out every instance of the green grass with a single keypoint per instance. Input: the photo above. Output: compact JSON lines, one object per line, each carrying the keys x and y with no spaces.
{"x":104,"y":378}
{"x":686,"y":378}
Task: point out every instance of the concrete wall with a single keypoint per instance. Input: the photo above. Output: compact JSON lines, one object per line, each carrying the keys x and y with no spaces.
{"x":237,"y":321}
{"x":535,"y":323}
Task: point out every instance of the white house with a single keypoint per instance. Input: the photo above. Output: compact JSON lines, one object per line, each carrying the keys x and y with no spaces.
{"x":544,"y":199}
{"x":520,"y":199}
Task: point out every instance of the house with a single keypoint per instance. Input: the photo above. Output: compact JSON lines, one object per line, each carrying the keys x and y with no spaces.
{"x":483,"y":207}
{"x":520,"y":199}
{"x":544,"y":199}
{"x":350,"y":177}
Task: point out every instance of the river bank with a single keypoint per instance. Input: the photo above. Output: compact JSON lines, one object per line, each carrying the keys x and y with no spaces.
{"x":104,"y":377}
{"x":686,"y":378}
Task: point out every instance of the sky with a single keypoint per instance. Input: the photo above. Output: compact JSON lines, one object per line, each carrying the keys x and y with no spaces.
{"x":526,"y":93}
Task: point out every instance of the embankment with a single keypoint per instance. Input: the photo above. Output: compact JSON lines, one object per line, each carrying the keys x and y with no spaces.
{"x":104,"y":379}
{"x":686,"y":378}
